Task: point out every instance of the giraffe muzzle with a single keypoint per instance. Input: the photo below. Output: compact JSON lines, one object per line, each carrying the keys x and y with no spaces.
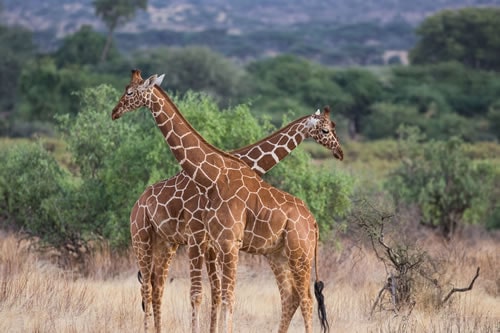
{"x":338,"y":154}
{"x":115,"y":115}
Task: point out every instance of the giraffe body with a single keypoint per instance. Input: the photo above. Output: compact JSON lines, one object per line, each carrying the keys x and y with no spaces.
{"x":238,"y":211}
{"x":167,"y":200}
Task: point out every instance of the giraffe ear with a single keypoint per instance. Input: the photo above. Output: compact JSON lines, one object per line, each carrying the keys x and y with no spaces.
{"x":327,"y":111}
{"x":318,"y":112}
{"x":136,"y":76}
{"x":159,"y":79}
{"x":152,"y":80}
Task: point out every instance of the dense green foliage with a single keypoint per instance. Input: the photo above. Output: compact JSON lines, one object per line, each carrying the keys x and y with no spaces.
{"x":16,"y":47}
{"x":29,"y":177}
{"x":195,"y":68}
{"x":83,"y":48}
{"x":362,"y":89}
{"x":442,"y":99}
{"x":288,"y":83}
{"x":113,"y":162}
{"x":469,"y":36}
{"x":47,"y":91}
{"x":115,"y":13}
{"x":448,"y":188}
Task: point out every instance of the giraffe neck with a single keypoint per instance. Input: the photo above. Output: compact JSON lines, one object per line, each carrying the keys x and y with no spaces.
{"x":265,"y":154}
{"x":200,"y":160}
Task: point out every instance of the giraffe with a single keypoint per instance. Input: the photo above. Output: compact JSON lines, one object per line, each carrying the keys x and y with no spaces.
{"x":241,"y":212}
{"x":161,"y":206}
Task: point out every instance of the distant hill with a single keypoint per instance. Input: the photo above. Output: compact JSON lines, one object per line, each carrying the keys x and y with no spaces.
{"x":336,"y":32}
{"x":65,"y":16}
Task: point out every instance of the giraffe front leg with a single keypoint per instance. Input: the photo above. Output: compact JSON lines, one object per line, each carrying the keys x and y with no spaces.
{"x":196,"y":252}
{"x":229,"y":263}
{"x":215,"y":288}
{"x":164,"y":253}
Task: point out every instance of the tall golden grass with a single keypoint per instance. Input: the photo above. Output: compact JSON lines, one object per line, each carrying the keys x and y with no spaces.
{"x":37,"y":296}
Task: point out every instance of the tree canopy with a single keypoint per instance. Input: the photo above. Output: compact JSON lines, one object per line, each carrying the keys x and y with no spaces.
{"x":83,"y":48}
{"x":16,"y":47}
{"x":115,"y":13}
{"x":469,"y":36}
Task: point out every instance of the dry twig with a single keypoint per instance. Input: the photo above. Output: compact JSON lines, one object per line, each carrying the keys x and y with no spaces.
{"x":460,"y":290}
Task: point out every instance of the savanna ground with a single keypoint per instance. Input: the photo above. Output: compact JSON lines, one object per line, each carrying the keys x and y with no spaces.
{"x":37,"y":296}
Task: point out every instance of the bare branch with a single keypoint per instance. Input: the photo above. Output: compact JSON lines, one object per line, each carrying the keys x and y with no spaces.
{"x":394,"y":295}
{"x":379,"y":296}
{"x":461,"y":289}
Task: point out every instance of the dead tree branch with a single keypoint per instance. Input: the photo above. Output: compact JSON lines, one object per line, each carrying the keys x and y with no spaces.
{"x":454,"y":290}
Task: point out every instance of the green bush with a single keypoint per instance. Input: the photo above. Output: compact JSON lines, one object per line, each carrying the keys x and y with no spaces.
{"x":30,"y":180}
{"x":113,"y":162}
{"x":494,"y":118}
{"x":386,"y":118}
{"x":448,"y":188}
{"x":326,"y":191}
{"x":122,"y":157}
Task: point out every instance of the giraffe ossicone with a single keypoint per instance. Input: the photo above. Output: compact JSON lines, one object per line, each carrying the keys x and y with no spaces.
{"x":235,"y":207}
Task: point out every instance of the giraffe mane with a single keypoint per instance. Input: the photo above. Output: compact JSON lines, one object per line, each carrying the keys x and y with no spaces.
{"x":272,"y":134}
{"x":191,"y":128}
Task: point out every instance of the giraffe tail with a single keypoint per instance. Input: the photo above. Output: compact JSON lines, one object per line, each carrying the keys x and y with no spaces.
{"x":139,"y":277}
{"x":318,"y":292}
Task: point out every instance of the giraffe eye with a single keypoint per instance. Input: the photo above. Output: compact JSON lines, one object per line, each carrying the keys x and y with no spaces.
{"x":325,"y":130}
{"x":129,"y":92}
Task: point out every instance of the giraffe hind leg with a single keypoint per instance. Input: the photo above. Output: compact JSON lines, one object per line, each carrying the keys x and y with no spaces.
{"x":288,"y":293}
{"x":142,"y":246}
{"x":146,"y":294}
{"x":301,"y":271}
{"x":141,"y":281}
{"x":163,"y":256}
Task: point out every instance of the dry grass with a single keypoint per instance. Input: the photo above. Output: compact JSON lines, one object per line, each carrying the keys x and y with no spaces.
{"x":36,"y":296}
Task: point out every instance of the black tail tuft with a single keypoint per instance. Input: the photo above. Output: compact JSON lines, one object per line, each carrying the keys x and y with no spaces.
{"x":139,"y":277}
{"x":318,"y":292}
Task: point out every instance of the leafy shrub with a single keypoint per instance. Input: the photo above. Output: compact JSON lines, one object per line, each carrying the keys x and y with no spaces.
{"x":30,"y":179}
{"x":124,"y":156}
{"x":386,"y":118}
{"x":113,"y":161}
{"x":440,"y":180}
{"x":494,"y":118}
{"x":326,"y":191}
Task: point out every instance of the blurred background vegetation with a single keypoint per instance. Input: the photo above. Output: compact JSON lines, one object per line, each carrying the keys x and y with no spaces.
{"x":419,"y":137}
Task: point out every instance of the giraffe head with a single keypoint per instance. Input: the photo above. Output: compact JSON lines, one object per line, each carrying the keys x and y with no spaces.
{"x":322,"y":130}
{"x":138,"y":93}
